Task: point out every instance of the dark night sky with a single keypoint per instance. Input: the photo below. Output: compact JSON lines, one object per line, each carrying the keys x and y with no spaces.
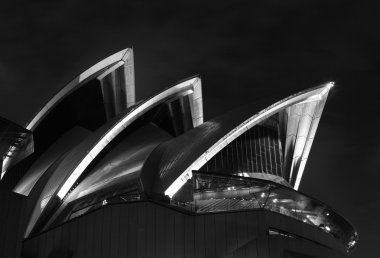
{"x":243,"y":50}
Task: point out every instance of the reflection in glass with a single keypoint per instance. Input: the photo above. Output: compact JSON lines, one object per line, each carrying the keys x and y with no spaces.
{"x":218,"y":192}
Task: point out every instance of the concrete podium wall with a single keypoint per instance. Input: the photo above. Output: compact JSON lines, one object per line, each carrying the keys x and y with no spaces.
{"x":11,"y":223}
{"x":147,"y":229}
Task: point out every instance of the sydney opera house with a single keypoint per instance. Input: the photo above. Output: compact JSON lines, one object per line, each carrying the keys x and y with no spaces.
{"x":97,"y":173}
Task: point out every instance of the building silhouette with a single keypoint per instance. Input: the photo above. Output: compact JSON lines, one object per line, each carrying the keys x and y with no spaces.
{"x":96,"y":173}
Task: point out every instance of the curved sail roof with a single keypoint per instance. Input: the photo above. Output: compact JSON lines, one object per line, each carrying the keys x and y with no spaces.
{"x":94,"y":144}
{"x":94,"y":148}
{"x":101,"y":70}
{"x":109,"y":89}
{"x":64,"y":144}
{"x":68,"y":170}
{"x":302,"y":110}
{"x":174,"y":159}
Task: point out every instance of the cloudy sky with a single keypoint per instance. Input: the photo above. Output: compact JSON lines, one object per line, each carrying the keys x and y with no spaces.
{"x":243,"y":50}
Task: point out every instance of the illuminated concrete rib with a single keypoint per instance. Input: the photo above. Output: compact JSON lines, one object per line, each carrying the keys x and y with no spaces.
{"x":118,"y":86}
{"x":107,"y":66}
{"x":196,"y":105}
{"x":302,"y":136}
{"x":315,"y":95}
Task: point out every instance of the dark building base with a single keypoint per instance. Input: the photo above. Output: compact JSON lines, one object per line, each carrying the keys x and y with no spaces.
{"x":148,"y":229}
{"x":11,"y":223}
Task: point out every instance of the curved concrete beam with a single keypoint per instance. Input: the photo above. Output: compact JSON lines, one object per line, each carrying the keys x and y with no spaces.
{"x":114,"y":60}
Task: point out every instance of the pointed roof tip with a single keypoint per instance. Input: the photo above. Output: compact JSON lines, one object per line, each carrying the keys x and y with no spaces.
{"x":187,"y":80}
{"x":195,"y":76}
{"x":126,"y":53}
{"x":330,"y":84}
{"x":326,"y":88}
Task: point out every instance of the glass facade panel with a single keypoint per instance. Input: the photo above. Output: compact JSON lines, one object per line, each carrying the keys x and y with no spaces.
{"x":16,"y":143}
{"x":217,"y":192}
